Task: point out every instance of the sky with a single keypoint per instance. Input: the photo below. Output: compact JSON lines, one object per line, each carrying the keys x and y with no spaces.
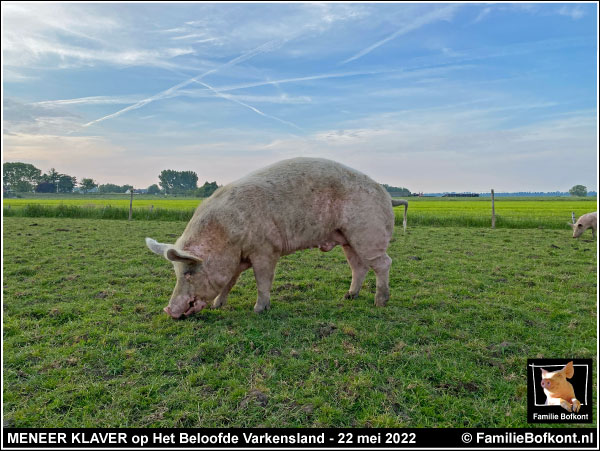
{"x":434,"y":97}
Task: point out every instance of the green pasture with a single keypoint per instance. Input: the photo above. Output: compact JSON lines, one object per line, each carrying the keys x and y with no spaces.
{"x":541,"y":212}
{"x":86,"y":343}
{"x":101,"y":201}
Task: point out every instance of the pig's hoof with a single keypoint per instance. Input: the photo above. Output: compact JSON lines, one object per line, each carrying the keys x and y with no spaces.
{"x":218,"y":303}
{"x":381,"y":302}
{"x":576,"y":405}
{"x":261,"y":308}
{"x":350,"y":295}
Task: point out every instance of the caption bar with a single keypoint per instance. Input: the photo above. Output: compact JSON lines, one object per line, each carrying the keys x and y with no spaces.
{"x":580,"y":438}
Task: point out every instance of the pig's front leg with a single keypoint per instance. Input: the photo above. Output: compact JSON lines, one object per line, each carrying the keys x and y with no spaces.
{"x":221,"y":299}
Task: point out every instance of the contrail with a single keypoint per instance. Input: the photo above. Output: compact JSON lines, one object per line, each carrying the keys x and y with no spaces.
{"x":256,"y":110}
{"x":418,"y":23}
{"x":95,"y":100}
{"x":99,"y":100}
{"x":267,"y":47}
{"x":307,"y":78}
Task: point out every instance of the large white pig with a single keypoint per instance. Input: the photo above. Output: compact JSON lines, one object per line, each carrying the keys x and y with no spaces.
{"x":586,"y":221}
{"x":294,"y":204}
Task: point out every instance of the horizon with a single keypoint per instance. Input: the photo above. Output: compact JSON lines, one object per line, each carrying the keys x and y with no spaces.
{"x":415,"y":95}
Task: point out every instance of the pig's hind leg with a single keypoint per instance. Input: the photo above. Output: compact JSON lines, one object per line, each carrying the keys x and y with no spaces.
{"x":370,"y":246}
{"x":381,"y":266}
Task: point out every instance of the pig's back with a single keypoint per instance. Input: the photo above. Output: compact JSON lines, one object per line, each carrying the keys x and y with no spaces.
{"x":298,"y":202}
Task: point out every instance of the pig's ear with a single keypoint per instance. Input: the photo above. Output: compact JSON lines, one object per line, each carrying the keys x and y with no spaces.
{"x":571,"y":225}
{"x":569,"y":370}
{"x":544,"y":372}
{"x":177,"y":255}
{"x":156,"y":247}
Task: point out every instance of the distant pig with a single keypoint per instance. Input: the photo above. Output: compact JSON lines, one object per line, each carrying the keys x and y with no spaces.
{"x":291,"y":205}
{"x":583,"y":223}
{"x":559,"y":391}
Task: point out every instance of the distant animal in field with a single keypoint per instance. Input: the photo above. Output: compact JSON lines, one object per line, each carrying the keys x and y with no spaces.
{"x":294,"y":204}
{"x":559,"y":391}
{"x":587,"y":221}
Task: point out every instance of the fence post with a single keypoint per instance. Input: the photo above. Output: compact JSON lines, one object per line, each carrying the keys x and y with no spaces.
{"x":573,"y":217}
{"x":131,"y":204}
{"x":493,"y":212}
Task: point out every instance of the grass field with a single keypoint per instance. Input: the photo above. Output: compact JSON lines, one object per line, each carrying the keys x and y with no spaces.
{"x":101,"y":200}
{"x":544,"y":212}
{"x":86,"y":342}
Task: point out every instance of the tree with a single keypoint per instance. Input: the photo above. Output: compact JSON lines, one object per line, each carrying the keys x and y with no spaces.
{"x":51,"y":176}
{"x":66,"y":183}
{"x":45,"y":187}
{"x":207,"y":189}
{"x":109,"y":188}
{"x":22,"y":186}
{"x":578,"y":190}
{"x":87,"y":185}
{"x":153,"y":189}
{"x":20,"y":177}
{"x":63,"y":183}
{"x":112,"y":188}
{"x":178,"y":181}
{"x":396,"y":191}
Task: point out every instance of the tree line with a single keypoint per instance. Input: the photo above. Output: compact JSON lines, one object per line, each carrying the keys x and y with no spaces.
{"x":26,"y":178}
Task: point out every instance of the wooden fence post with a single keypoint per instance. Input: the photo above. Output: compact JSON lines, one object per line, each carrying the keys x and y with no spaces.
{"x":573,"y":217}
{"x":493,"y":212}
{"x":131,"y":204}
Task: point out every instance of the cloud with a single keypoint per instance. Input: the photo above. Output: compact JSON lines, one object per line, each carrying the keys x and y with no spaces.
{"x":12,"y":76}
{"x":444,"y":13}
{"x":75,"y":35}
{"x":50,"y":150}
{"x":33,"y":50}
{"x":439,"y":151}
{"x":482,"y":14}
{"x":37,"y":119}
{"x":574,"y":12}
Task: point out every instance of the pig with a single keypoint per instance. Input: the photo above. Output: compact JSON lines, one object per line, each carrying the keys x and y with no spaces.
{"x":291,"y":205}
{"x":559,"y":391}
{"x":589,"y":220}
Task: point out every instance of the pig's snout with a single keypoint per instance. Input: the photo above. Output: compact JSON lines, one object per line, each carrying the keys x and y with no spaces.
{"x":545,"y":383}
{"x":168,"y":311}
{"x":194,"y":306}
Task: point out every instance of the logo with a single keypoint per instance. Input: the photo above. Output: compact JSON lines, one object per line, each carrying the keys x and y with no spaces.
{"x":559,"y":391}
